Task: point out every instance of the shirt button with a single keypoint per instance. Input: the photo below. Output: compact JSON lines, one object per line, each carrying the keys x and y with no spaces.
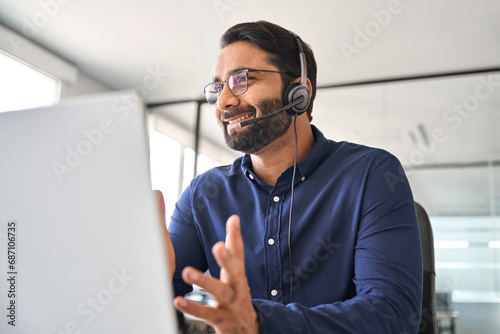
{"x":250,"y":176}
{"x":276,"y":199}
{"x":303,"y":178}
{"x":270,"y":241}
{"x":274,"y":293}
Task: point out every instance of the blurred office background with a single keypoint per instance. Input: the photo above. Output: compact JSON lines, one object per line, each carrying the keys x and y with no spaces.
{"x":418,"y":78}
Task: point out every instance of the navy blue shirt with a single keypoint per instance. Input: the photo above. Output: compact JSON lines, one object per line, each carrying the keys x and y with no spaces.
{"x":355,"y":242}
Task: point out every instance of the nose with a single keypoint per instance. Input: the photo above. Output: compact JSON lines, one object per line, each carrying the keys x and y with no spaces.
{"x":226,"y":99}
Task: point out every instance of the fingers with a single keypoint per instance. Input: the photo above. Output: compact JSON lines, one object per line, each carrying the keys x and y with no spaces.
{"x":233,"y":267}
{"x":222,"y":293}
{"x":169,"y":249}
{"x":233,"y":309}
{"x":234,"y":240}
{"x":230,"y":258}
{"x":230,"y":255}
{"x":161,"y":207}
{"x":205,"y":312}
{"x":161,"y":204}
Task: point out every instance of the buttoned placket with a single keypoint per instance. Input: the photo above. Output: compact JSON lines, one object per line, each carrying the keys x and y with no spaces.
{"x":274,"y":279}
{"x":274,"y":270}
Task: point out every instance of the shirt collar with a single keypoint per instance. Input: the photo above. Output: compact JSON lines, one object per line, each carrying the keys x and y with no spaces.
{"x":320,"y":152}
{"x":322,"y":149}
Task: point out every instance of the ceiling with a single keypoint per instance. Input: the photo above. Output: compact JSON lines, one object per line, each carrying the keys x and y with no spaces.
{"x":445,"y":152}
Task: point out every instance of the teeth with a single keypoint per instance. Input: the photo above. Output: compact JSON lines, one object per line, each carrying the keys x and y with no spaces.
{"x":239,"y":119}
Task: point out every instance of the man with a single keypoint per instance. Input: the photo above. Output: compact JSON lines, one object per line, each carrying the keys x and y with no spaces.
{"x":348,"y":260}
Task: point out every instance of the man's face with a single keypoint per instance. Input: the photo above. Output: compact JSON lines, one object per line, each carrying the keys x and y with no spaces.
{"x":262,"y":97}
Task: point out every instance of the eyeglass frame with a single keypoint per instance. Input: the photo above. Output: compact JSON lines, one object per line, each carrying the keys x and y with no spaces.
{"x":245,"y":70}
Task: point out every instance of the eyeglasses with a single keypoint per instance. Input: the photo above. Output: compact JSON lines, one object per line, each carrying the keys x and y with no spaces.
{"x":237,"y":83}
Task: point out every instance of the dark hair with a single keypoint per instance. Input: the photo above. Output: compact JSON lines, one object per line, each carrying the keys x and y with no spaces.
{"x":282,"y":46}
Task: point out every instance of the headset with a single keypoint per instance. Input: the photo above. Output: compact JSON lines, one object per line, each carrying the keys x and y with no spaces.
{"x":296,"y":97}
{"x":297,"y":90}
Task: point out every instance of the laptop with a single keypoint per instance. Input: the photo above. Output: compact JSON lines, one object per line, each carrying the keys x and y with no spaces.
{"x":80,"y":235}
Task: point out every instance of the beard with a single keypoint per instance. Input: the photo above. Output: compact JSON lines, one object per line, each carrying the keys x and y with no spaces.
{"x":260,"y":134}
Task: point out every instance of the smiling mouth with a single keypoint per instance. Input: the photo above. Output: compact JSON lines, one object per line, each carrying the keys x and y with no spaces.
{"x":234,"y":122}
{"x":239,"y":119}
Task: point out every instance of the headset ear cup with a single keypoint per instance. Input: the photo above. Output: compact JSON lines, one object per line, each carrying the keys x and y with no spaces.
{"x":288,"y":94}
{"x":292,"y":93}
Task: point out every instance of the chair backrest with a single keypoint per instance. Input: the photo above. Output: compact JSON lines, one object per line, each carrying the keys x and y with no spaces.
{"x":428,"y":323}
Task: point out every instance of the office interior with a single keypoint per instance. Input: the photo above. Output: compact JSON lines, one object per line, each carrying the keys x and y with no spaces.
{"x":420,"y":79}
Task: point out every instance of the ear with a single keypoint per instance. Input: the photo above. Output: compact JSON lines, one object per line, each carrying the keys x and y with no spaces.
{"x":309,"y":85}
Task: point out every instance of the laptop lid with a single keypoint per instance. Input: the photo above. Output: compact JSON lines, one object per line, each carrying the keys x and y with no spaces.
{"x":80,"y":236}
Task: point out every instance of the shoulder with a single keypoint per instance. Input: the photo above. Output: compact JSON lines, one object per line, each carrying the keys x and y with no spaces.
{"x":343,"y":152}
{"x":208,"y":185}
{"x":218,"y":173}
{"x":360,"y":154}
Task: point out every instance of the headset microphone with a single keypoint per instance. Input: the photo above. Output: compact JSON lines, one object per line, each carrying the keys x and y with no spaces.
{"x":274,"y":113}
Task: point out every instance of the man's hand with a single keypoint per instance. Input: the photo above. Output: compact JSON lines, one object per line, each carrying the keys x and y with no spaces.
{"x":233,"y":311}
{"x":169,"y":248}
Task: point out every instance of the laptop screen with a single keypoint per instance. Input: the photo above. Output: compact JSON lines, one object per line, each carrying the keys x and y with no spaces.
{"x":80,"y":235}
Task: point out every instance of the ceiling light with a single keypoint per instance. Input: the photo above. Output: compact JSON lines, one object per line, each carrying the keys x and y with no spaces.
{"x":494,"y":244}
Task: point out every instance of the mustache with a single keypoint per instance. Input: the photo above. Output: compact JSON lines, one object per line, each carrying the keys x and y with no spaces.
{"x":226,"y":114}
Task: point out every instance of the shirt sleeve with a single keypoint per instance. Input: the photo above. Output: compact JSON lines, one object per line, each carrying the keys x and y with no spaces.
{"x":387,"y":269}
{"x":186,"y":242}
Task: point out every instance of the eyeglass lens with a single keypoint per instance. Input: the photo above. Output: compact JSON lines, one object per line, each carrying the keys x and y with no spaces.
{"x":237,"y":83}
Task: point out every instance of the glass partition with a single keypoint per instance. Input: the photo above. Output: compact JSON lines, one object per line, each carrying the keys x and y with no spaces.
{"x":445,"y":133}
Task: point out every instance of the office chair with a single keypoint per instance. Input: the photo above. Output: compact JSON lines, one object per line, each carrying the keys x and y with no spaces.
{"x":428,"y":323}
